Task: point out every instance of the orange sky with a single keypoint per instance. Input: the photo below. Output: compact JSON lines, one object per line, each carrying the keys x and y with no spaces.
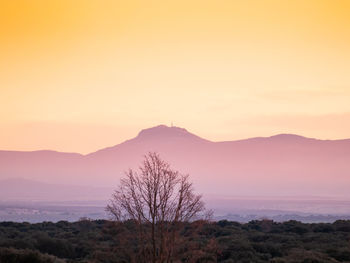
{"x":82,"y":75}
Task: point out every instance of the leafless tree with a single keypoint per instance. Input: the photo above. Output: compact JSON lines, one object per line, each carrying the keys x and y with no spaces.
{"x":160,"y":200}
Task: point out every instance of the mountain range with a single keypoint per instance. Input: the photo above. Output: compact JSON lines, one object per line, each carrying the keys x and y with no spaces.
{"x":280,"y":165}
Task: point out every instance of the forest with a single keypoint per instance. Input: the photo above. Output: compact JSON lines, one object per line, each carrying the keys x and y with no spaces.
{"x":199,"y":241}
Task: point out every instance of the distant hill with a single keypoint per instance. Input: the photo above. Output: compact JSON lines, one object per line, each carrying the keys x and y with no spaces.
{"x":281,"y":165}
{"x":18,"y":189}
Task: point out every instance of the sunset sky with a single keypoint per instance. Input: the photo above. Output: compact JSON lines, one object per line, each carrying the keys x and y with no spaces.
{"x":82,"y":75}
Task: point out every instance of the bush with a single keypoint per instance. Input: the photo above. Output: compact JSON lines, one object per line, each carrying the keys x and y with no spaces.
{"x":11,"y":255}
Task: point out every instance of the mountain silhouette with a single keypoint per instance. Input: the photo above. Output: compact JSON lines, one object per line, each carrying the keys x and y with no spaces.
{"x":283,"y":164}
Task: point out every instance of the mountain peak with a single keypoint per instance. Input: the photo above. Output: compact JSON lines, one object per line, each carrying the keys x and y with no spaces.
{"x":163,"y":131}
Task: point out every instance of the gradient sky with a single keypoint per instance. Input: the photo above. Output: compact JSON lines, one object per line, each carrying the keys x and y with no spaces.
{"x":82,"y":75}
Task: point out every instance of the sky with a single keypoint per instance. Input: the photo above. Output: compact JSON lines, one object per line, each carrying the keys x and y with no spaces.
{"x":81,"y":75}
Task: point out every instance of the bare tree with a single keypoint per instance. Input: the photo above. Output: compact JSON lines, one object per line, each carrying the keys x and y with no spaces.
{"x":159,"y":200}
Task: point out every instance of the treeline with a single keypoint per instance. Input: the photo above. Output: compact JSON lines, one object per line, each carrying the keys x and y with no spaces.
{"x":223,"y":241}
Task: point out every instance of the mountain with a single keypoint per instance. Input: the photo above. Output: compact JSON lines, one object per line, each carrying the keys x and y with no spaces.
{"x":18,"y":189}
{"x":280,"y":165}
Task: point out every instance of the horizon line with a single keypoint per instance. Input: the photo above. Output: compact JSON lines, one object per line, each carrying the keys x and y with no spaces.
{"x":174,"y":127}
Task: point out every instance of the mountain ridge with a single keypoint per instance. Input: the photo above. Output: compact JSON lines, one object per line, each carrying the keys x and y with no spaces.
{"x":147,"y":134}
{"x":276,"y":165}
